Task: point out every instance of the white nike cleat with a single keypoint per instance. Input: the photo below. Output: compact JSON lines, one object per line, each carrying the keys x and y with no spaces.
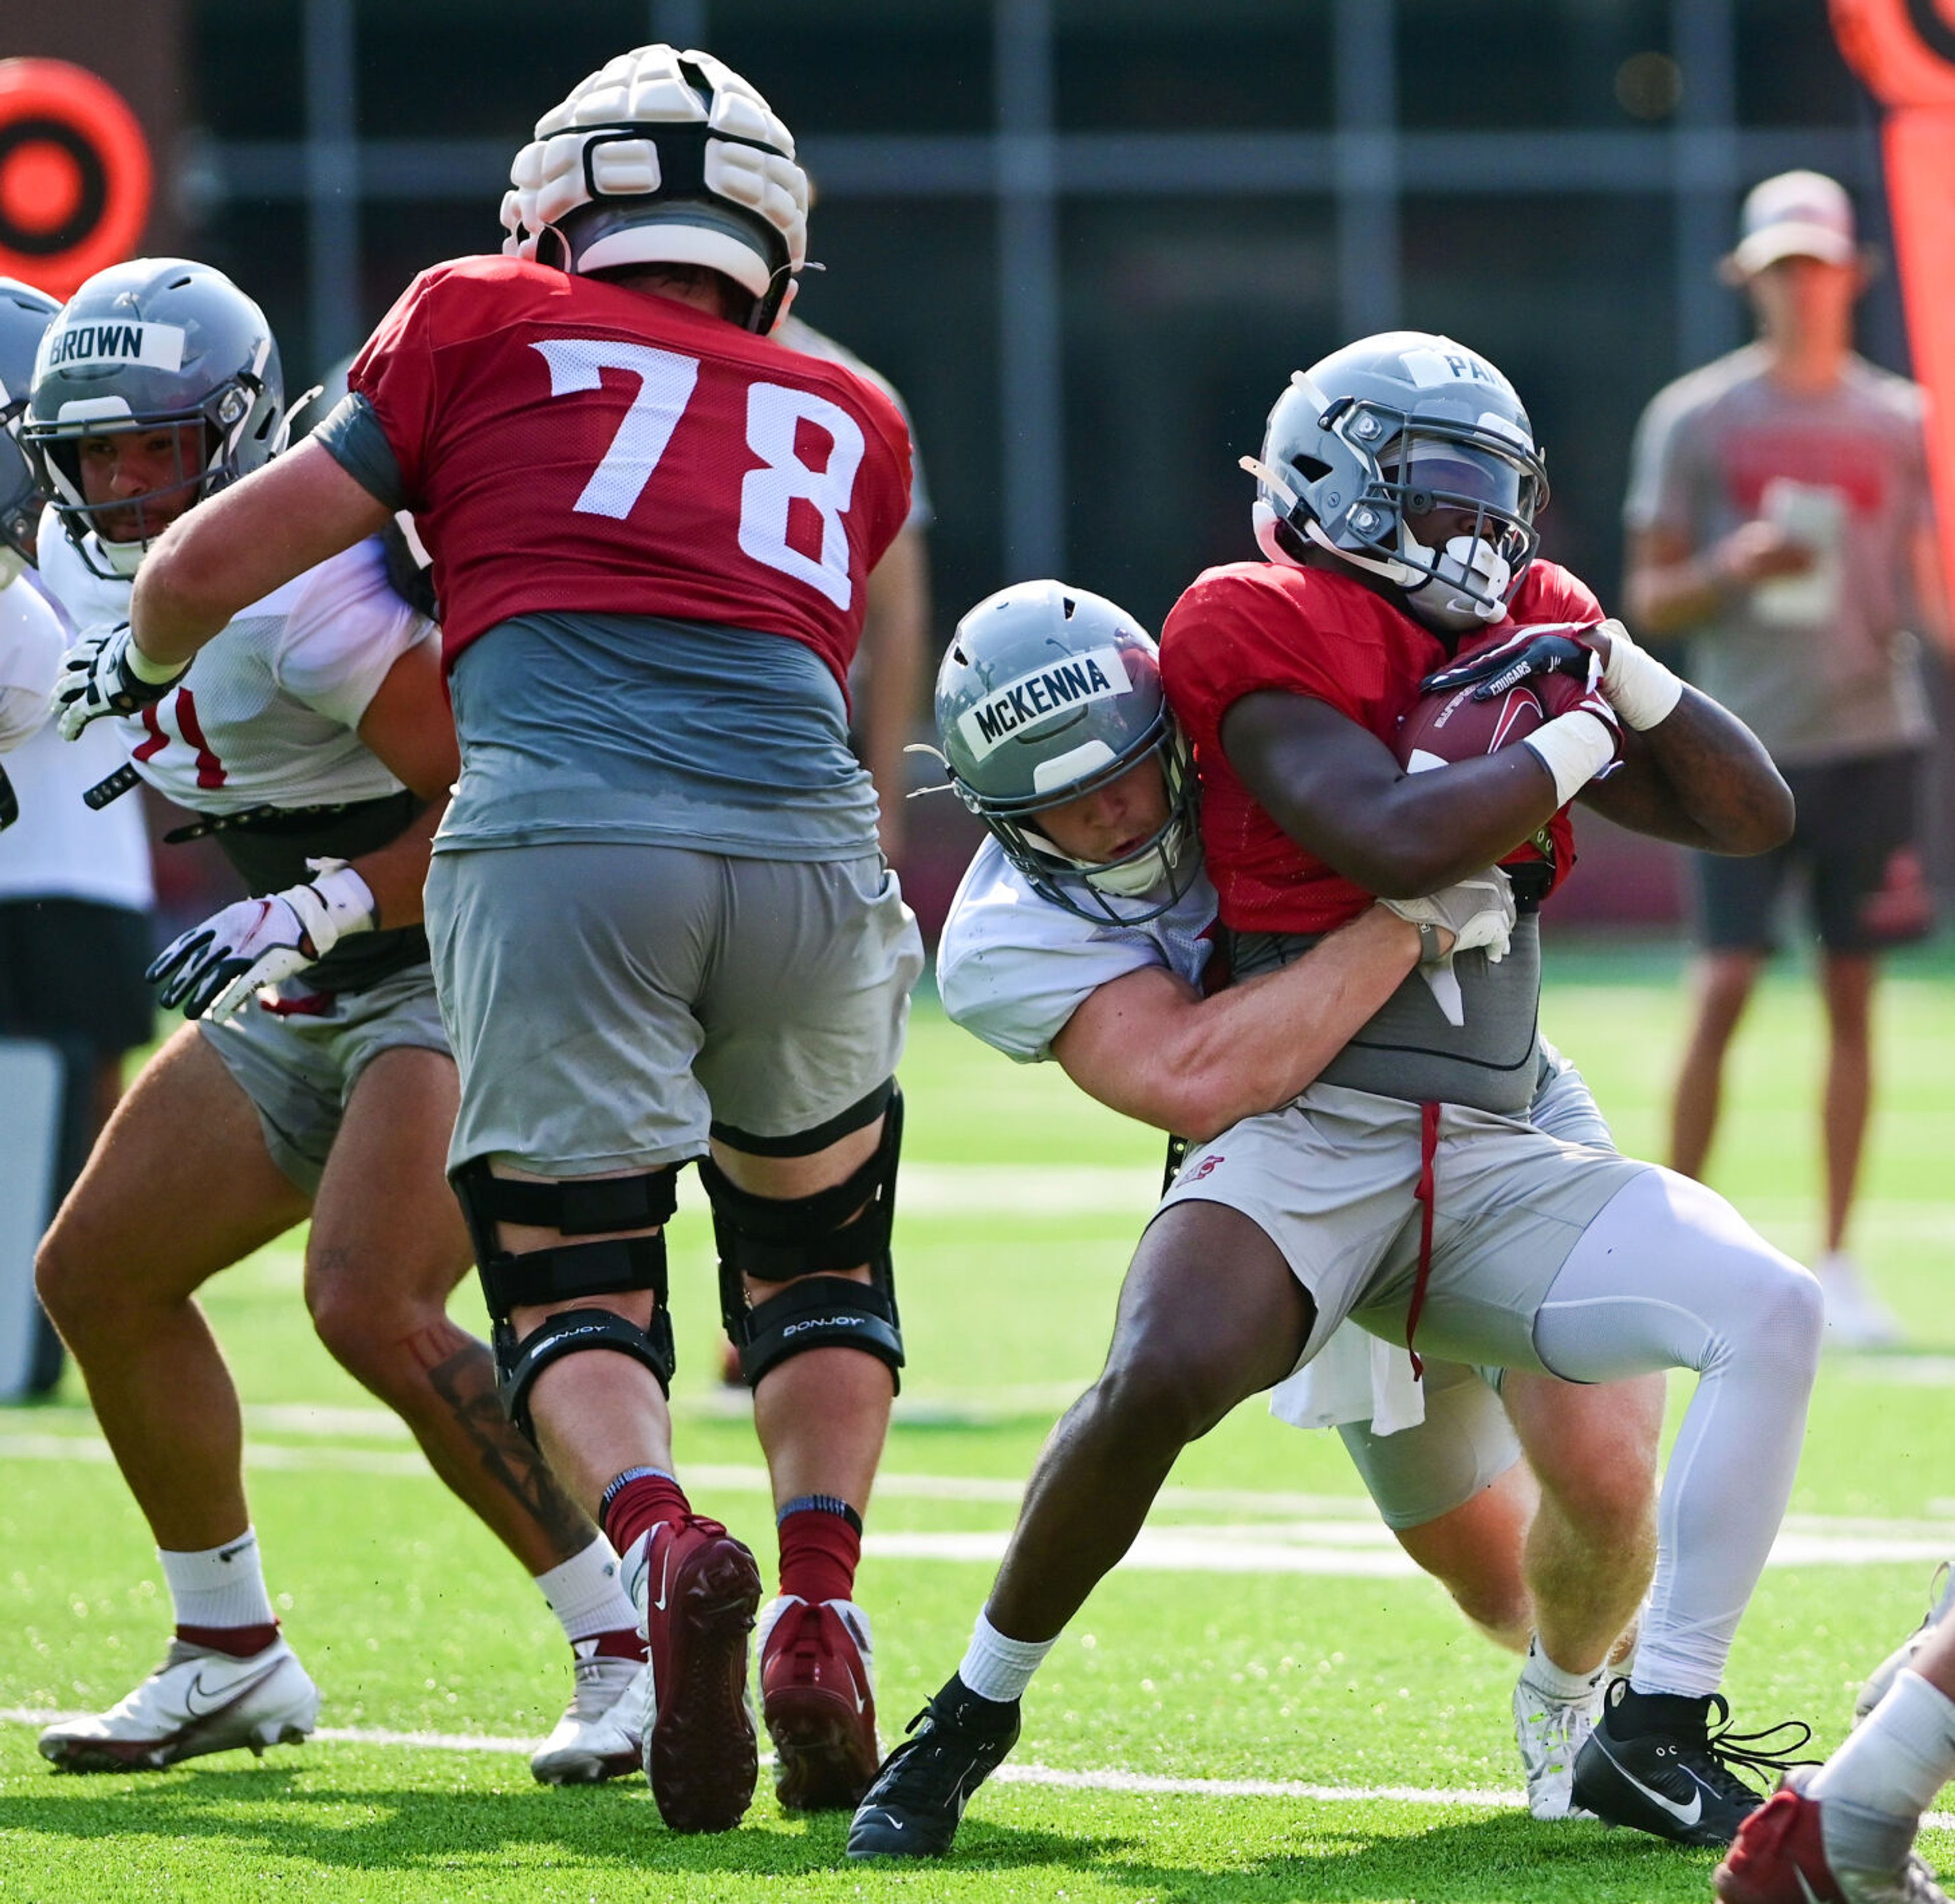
{"x":197,"y":1701}
{"x":1549,"y":1732}
{"x":598,"y":1736}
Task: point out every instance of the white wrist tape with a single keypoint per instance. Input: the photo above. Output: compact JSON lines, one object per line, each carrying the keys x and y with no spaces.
{"x":144,"y":669}
{"x":1574,"y":748}
{"x":335,"y":902}
{"x":1640,"y":688}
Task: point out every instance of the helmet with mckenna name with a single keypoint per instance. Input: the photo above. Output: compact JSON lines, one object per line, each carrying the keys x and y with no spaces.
{"x":25,"y":315}
{"x":664,"y":157}
{"x":1048,"y":693}
{"x":1392,"y":427}
{"x":153,"y":344}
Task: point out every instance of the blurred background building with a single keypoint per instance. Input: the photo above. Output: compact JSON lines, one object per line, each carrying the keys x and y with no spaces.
{"x":1088,"y":240}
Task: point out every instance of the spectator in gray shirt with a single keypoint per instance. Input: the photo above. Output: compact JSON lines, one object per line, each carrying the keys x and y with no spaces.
{"x":1779,"y":516}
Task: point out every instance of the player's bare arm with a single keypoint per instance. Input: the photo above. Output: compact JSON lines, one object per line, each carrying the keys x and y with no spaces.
{"x":1148,"y":1045}
{"x":235,"y":549}
{"x":894,"y":626}
{"x":1336,"y":790}
{"x":1672,"y":587}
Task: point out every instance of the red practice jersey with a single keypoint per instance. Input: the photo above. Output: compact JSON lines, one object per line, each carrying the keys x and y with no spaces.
{"x":567,"y":444}
{"x":1316,"y":632}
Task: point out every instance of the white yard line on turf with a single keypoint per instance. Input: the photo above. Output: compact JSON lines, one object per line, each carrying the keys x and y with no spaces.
{"x":1297,"y":1534}
{"x":1140,"y":1784}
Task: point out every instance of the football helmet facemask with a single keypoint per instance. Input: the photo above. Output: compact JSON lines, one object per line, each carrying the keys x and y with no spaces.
{"x":1048,"y":693}
{"x":1390,"y":429}
{"x":25,"y":314}
{"x":664,"y":157}
{"x":152,"y":345}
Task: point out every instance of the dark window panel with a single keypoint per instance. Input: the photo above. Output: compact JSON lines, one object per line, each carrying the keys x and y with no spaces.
{"x":1788,"y":69}
{"x":1465,"y":64}
{"x":245,"y":60}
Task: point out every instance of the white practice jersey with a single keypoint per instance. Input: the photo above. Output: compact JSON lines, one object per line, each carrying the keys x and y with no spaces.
{"x":1012,"y":969}
{"x":268,"y":714}
{"x":31,"y":642}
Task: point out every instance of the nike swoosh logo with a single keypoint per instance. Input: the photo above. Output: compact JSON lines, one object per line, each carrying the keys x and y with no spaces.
{"x":231,"y":1553}
{"x":664,"y":1583}
{"x":229,"y":1696}
{"x":1686,"y":1815}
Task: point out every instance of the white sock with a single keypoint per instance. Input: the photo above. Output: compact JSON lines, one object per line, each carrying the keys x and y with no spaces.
{"x":223,"y":1586}
{"x":997,"y":1668}
{"x":1564,"y":1688}
{"x":1899,"y":1757}
{"x":587,"y":1595}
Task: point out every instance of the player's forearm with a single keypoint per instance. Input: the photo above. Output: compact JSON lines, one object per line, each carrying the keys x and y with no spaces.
{"x":219,"y":558}
{"x":1257,"y":1045}
{"x":397,"y":873}
{"x":1699,"y":778}
{"x":1674,"y":598}
{"x":893,"y":639}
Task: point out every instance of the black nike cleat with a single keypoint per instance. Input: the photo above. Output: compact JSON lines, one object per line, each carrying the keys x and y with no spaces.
{"x":1653,"y":1764}
{"x":955,"y":1743}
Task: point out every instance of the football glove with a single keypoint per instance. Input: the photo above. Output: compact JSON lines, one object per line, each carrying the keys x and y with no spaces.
{"x":212,"y":969}
{"x":106,"y":673}
{"x":1479,"y":912}
{"x":1553,"y":648}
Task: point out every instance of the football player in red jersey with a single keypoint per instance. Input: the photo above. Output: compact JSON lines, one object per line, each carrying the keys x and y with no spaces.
{"x":662,"y":930}
{"x":1399,"y":483}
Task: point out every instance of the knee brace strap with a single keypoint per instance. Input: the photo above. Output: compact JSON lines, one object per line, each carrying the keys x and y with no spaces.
{"x":818,"y":1312}
{"x":582,"y":1206}
{"x":572,"y":1331}
{"x":774,"y":1239}
{"x":573,"y":1269}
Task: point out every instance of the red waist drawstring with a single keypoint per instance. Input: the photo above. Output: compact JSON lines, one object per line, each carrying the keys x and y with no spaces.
{"x":1429,"y":1151}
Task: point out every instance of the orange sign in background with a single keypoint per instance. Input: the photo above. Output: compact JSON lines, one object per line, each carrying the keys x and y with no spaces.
{"x":1905,"y":51}
{"x":75,"y":175}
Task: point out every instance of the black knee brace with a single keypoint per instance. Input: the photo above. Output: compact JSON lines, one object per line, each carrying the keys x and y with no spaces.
{"x":567,"y":1270}
{"x":802,"y":1241}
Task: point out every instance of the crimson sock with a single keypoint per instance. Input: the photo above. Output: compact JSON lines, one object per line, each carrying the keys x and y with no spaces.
{"x":240,"y":1642}
{"x":638,"y":1501}
{"x":821,"y":1546}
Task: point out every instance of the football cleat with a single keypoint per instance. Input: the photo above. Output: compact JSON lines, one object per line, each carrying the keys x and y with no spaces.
{"x":1941,"y":1597}
{"x":1779,"y":1857}
{"x":955,"y":1743}
{"x":818,"y":1701}
{"x":1855,"y":1316}
{"x":198,"y":1700}
{"x":1674,"y":1777}
{"x":597,"y":1737}
{"x":1549,"y":1732}
{"x":696,"y":1588}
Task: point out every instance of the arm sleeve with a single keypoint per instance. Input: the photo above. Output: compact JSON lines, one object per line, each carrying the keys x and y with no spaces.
{"x":345,"y":633}
{"x":352,"y":436}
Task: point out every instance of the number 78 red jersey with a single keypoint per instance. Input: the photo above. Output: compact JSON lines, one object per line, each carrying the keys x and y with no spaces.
{"x":567,"y":445}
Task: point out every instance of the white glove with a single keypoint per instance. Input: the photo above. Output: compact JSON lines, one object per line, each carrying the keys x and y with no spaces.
{"x":106,"y":673}
{"x":211,"y":970}
{"x":1640,"y":688}
{"x":1479,"y":912}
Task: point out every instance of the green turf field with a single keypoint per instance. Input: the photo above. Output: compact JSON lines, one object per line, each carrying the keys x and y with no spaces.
{"x":1311,"y":1671}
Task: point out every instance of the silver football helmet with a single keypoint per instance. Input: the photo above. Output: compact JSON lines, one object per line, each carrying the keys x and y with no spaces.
{"x":155,"y":344}
{"x":664,"y":157}
{"x":1047,"y":693}
{"x":25,"y":314}
{"x":1390,"y":428}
